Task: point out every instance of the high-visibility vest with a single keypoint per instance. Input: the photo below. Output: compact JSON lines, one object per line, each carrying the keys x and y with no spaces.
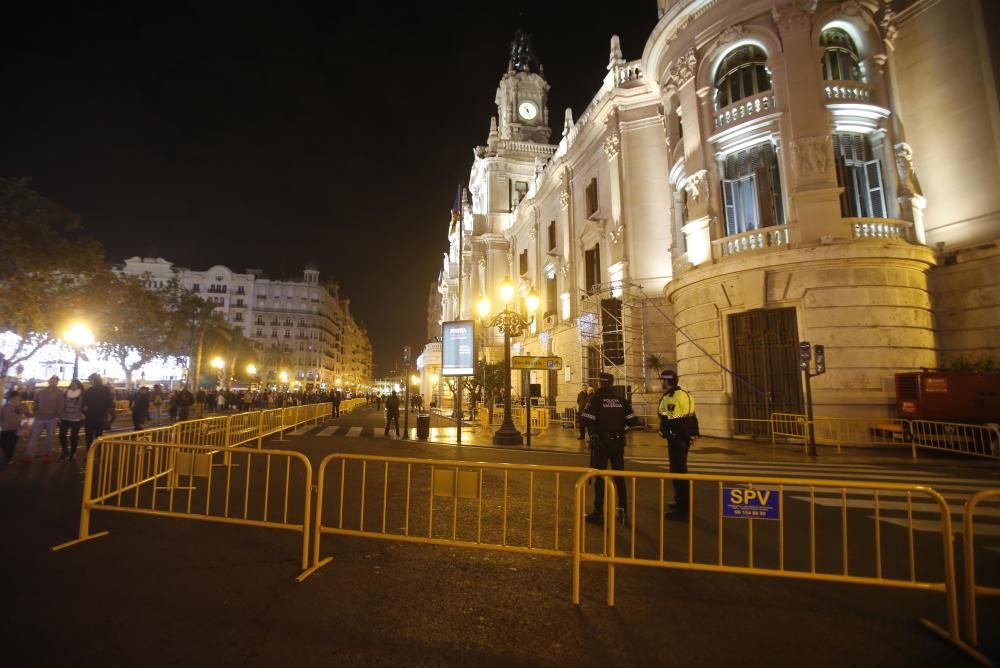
{"x":676,"y":404}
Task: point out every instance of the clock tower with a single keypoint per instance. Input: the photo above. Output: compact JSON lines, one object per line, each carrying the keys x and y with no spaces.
{"x":522,"y":96}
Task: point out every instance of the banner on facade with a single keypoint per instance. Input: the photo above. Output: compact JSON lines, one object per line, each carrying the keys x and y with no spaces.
{"x":536,"y":363}
{"x":458,"y":348}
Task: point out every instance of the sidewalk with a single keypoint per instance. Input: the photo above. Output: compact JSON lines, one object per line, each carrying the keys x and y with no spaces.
{"x":649,"y":444}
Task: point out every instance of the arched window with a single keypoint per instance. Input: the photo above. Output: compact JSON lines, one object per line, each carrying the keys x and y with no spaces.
{"x":840,"y":58}
{"x":742,"y":73}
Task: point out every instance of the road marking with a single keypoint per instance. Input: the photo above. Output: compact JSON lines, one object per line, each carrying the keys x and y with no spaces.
{"x":353,"y":432}
{"x":301,"y":430}
{"x":328,"y":431}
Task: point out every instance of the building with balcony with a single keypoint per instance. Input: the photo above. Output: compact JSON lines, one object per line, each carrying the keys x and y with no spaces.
{"x":303,"y":327}
{"x":769,"y":172}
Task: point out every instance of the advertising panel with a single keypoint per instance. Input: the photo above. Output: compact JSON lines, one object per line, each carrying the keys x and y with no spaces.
{"x":458,"y":348}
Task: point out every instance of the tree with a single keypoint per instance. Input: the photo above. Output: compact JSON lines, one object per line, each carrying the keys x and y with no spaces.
{"x":137,"y":324}
{"x":45,"y":268}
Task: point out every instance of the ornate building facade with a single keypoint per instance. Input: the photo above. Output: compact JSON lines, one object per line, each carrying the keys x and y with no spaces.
{"x":303,"y":327}
{"x":770,"y":172}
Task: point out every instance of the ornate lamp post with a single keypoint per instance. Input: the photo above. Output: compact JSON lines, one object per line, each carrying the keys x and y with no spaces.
{"x":512,"y":323}
{"x":78,"y":336}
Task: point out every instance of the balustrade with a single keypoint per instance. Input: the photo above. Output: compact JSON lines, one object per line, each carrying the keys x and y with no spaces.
{"x":744,"y":109}
{"x":753,"y":241}
{"x":854,"y":91}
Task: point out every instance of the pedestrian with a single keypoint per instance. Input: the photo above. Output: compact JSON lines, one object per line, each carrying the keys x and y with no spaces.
{"x":71,"y":419}
{"x":392,"y":412}
{"x":10,"y":423}
{"x":156,"y":401}
{"x":336,"y":404}
{"x":582,"y":399}
{"x":97,"y":404}
{"x":48,"y":408}
{"x":607,"y":416}
{"x":679,"y":425}
{"x":220,"y":401}
{"x":173,"y":407}
{"x":140,"y":408}
{"x":184,"y":402}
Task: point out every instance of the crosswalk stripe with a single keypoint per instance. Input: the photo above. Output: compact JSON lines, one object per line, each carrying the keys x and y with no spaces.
{"x":982,"y":529}
{"x":301,"y":430}
{"x":377,"y":434}
{"x":920,"y":505}
{"x":328,"y":431}
{"x":354,"y":432}
{"x":806,"y":471}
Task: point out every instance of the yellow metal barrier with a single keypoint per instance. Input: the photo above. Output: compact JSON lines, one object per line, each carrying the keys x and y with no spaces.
{"x":506,"y":507}
{"x":540,"y":418}
{"x":248,"y":487}
{"x":966,"y":439}
{"x":788,"y":425}
{"x":973,"y":590}
{"x":821,"y":511}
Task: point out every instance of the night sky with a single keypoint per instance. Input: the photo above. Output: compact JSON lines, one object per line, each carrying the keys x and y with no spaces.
{"x":272,"y":135}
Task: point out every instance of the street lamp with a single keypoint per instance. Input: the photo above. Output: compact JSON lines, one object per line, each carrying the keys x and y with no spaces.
{"x":218,"y":364}
{"x":283,"y":377}
{"x":512,"y":323}
{"x":78,"y":336}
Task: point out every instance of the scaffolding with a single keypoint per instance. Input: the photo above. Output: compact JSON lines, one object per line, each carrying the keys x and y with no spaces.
{"x":611,"y":335}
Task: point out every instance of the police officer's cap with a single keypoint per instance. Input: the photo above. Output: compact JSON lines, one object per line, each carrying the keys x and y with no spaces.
{"x":668,"y":376}
{"x":606,"y":378}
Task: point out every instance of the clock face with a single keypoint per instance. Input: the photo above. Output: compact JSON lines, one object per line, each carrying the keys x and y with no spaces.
{"x":527,"y":110}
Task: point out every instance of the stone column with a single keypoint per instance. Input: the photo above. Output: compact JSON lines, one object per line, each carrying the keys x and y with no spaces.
{"x":814,"y":196}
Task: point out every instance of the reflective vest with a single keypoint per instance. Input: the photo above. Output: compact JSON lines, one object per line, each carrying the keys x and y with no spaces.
{"x":676,"y":403}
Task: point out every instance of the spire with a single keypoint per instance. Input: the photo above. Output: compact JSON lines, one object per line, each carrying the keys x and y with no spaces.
{"x":615,"y":58}
{"x":567,"y":122}
{"x":522,"y":57}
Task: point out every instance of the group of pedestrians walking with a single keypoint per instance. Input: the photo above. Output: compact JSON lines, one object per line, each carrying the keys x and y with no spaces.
{"x":69,"y":409}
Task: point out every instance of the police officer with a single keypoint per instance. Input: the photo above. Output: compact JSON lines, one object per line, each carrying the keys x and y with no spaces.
{"x":606,"y":416}
{"x":679,"y":425}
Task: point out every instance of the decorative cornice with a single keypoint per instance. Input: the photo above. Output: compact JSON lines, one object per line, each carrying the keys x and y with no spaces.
{"x":731,"y":34}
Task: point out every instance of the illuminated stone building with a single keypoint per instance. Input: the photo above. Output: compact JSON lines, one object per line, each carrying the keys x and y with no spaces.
{"x":303,"y":327}
{"x":769,"y":172}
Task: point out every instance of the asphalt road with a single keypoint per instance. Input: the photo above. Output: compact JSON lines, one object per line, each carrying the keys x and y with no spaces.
{"x":168,"y":591}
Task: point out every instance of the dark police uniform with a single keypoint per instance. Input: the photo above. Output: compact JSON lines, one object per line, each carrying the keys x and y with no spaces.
{"x":606,"y":415}
{"x":678,"y":424}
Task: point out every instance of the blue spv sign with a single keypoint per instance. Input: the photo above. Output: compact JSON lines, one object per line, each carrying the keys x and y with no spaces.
{"x":753,"y":504}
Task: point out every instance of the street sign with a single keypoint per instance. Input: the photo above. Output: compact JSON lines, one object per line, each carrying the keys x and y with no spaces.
{"x":536,"y":363}
{"x":458,"y":348}
{"x":820,"y":359}
{"x":750,"y":503}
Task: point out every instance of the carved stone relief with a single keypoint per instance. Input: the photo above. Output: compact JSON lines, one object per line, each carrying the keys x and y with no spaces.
{"x":794,"y":15}
{"x":812,"y":156}
{"x":904,"y":168}
{"x":696,"y":185}
{"x":611,"y":144}
{"x":616,"y":232}
{"x":731,"y":34}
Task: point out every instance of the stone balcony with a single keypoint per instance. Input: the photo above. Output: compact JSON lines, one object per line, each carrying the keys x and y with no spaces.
{"x":744,"y":110}
{"x":762,"y":240}
{"x":847,"y":91}
{"x":879,"y":229}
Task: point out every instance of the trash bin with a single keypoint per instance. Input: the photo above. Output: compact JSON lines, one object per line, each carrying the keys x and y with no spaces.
{"x":423,"y":426}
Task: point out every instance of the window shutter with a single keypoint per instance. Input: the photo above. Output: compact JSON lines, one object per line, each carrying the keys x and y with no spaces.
{"x":764,"y":197}
{"x":729,"y":199}
{"x":748,"y":203}
{"x":842,"y":180}
{"x":876,"y":194}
